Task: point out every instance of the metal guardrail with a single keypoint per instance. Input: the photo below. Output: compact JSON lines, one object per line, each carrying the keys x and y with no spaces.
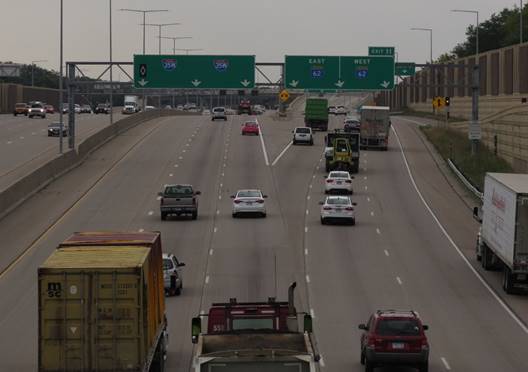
{"x":464,"y":180}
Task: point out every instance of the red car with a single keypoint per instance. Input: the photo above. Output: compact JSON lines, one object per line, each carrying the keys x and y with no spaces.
{"x":250,"y":127}
{"x":394,"y":337}
{"x":49,"y":109}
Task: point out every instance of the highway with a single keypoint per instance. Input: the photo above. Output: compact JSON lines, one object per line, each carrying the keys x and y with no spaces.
{"x":24,"y":142}
{"x":401,"y":254}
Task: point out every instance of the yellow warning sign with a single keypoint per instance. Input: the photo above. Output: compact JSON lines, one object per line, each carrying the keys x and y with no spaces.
{"x":439,"y":102}
{"x":284,"y":95}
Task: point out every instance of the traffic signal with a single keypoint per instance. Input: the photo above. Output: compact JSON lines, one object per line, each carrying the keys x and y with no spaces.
{"x":447,"y":100}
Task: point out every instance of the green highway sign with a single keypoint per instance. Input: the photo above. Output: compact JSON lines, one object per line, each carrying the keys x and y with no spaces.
{"x":405,"y":69}
{"x":339,"y":73}
{"x":381,"y":51}
{"x":194,"y":72}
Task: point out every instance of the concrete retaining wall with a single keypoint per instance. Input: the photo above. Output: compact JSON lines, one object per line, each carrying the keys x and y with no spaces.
{"x":21,"y":190}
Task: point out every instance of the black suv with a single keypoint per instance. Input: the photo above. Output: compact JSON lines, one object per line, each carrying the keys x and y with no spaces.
{"x":393,"y":337}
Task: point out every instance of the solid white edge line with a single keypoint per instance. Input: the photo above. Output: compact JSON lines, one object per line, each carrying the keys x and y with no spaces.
{"x":261,"y":136}
{"x":282,"y":153}
{"x":460,"y":253}
{"x":446,"y":365}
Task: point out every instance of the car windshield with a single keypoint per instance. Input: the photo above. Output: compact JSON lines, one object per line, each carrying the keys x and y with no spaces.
{"x":36,"y":105}
{"x":398,"y":327}
{"x":302,"y":130}
{"x":250,"y":124}
{"x":178,"y":190}
{"x":338,"y":201}
{"x":338,"y":175}
{"x":167,"y":264}
{"x":218,"y":110}
{"x":249,"y":194}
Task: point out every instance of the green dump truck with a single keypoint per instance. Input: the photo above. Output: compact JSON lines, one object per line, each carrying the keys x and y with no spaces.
{"x":316,"y":114}
{"x":342,"y":151}
{"x":101,"y":304}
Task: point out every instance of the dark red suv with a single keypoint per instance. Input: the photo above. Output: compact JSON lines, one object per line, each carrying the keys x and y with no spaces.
{"x":393,"y":337}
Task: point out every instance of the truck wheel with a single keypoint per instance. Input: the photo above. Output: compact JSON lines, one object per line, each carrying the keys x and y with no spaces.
{"x":327,"y":166}
{"x":486,"y":258}
{"x":355,"y":168}
{"x":507,"y":280}
{"x":424,"y":367}
{"x":369,"y":366}
{"x":323,"y":222}
{"x":195,"y":215}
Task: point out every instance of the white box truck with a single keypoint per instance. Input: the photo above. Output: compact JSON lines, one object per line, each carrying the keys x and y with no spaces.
{"x":503,"y":240}
{"x":132,"y":105}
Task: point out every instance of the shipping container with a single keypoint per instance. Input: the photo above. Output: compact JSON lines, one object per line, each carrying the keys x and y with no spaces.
{"x":99,"y":307}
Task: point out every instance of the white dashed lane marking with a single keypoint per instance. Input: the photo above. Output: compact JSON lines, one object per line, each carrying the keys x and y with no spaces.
{"x":446,"y":364}
{"x":386,"y":253}
{"x":150,"y":213}
{"x":307,"y":279}
{"x":399,"y":280}
{"x":207,"y":279}
{"x":211,"y":252}
{"x":372,"y":214}
{"x":378,"y":231}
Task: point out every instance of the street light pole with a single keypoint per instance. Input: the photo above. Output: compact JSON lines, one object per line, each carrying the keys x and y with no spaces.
{"x":174,"y":41}
{"x":187,"y":50}
{"x":430,"y":30}
{"x":111,"y":67}
{"x":144,"y":18}
{"x":61,"y":99}
{"x":160,"y":25}
{"x":521,"y":23}
{"x":477,"y":30}
{"x":33,"y":70}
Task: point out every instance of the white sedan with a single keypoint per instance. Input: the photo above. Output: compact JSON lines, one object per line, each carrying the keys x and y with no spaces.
{"x":339,"y":181}
{"x":338,"y":209}
{"x":249,"y":202}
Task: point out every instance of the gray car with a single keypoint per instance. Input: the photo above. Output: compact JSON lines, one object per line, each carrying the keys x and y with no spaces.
{"x":219,"y":113}
{"x":178,"y":199}
{"x":172,"y":275}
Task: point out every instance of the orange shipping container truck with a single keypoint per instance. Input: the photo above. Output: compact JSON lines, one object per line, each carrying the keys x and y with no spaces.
{"x":101,"y":304}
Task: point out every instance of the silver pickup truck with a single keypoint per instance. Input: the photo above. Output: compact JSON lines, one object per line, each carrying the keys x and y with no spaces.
{"x":178,"y":200}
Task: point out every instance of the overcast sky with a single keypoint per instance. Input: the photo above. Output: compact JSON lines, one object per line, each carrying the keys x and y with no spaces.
{"x":269,"y":29}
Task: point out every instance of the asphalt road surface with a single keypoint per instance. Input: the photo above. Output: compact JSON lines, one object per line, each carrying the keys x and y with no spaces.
{"x":24,"y":142}
{"x":397,"y":256}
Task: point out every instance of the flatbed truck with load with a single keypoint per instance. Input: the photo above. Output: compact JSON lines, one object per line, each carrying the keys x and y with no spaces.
{"x":342,"y":151}
{"x":503,"y":241}
{"x":316,"y":114}
{"x":101,"y":304}
{"x":254,"y":337}
{"x":375,"y":127}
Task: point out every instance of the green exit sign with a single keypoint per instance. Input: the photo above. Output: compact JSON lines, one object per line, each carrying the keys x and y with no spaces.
{"x":381,"y":51}
{"x":405,"y":69}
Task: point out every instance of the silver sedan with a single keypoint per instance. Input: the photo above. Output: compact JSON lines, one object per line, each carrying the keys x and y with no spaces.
{"x":338,"y":209}
{"x":249,"y":202}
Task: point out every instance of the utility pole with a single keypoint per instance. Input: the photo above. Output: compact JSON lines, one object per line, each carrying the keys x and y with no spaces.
{"x":61,"y":99}
{"x":521,"y":23}
{"x":111,"y":67}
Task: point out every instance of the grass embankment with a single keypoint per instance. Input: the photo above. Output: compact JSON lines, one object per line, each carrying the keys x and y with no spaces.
{"x":430,"y":115}
{"x":454,"y":145}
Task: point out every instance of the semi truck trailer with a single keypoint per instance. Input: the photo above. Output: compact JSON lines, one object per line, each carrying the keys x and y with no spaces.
{"x":503,"y":241}
{"x":375,"y":127}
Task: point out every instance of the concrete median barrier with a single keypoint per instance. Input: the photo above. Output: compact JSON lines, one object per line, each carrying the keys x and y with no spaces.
{"x":19,"y":191}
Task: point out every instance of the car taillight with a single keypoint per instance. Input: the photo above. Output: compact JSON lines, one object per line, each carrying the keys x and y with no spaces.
{"x":327,"y":208}
{"x":260,"y":201}
{"x":348,"y":181}
{"x":329,"y":181}
{"x":236,"y":201}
